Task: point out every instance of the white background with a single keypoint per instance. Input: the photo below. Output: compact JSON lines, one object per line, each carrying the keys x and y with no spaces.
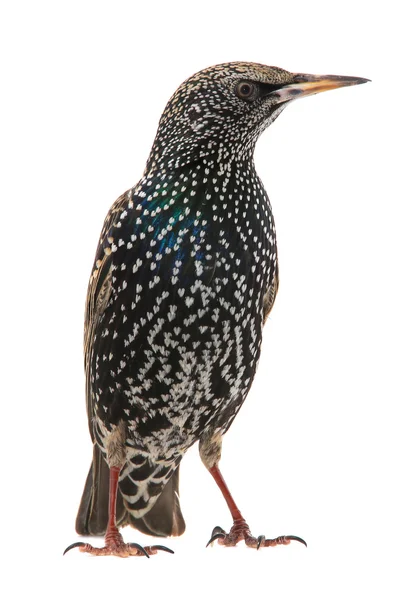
{"x":315,"y":450}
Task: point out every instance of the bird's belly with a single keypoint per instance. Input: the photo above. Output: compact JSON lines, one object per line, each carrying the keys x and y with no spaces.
{"x":172,"y":372}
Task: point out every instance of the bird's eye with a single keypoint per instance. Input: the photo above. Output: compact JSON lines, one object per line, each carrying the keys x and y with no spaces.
{"x":246,"y":90}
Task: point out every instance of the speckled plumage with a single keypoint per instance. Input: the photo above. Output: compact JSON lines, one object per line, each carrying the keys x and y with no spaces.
{"x":185,"y":275}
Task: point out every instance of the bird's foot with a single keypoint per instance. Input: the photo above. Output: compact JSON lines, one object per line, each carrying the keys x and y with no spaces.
{"x":241,"y":531}
{"x":115,"y":546}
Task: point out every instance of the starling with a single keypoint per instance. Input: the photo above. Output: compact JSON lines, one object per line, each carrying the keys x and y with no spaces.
{"x":184,"y":277}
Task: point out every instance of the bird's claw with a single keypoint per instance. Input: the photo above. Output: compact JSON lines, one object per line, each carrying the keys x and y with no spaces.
{"x":217,"y":534}
{"x":296,"y":538}
{"x":139,"y":548}
{"x":75,"y":545}
{"x":260,"y":540}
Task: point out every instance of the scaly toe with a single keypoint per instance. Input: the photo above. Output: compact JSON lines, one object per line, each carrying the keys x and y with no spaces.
{"x":153,"y":549}
{"x":282,"y":540}
{"x":119,"y":549}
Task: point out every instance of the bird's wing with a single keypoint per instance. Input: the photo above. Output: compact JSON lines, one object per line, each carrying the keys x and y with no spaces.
{"x":98,"y":294}
{"x":270,"y":295}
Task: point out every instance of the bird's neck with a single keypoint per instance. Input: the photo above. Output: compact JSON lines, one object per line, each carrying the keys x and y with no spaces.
{"x":187,"y":151}
{"x":210,"y":189}
{"x":219,"y":167}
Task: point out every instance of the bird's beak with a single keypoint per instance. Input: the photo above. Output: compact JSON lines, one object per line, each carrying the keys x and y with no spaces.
{"x":306,"y":85}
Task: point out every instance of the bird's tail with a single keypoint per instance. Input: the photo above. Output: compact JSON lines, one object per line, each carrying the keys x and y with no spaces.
{"x":162,"y":520}
{"x":165,"y":517}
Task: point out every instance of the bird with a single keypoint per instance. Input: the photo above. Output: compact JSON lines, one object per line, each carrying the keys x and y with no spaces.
{"x":184,"y":278}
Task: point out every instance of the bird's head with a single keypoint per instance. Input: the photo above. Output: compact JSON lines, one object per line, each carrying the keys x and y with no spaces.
{"x":222,"y":110}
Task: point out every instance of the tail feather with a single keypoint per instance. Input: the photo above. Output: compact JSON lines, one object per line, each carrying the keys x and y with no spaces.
{"x":162,"y":520}
{"x":165,"y":518}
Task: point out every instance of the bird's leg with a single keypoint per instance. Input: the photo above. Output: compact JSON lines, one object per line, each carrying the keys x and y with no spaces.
{"x":113,"y":538}
{"x":210,"y":452}
{"x":240,"y":529}
{"x":114,"y":543}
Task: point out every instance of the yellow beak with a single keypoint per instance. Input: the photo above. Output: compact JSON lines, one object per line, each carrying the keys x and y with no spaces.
{"x":306,"y":85}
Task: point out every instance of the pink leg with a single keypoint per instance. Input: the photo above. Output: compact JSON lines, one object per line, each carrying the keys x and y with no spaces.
{"x":240,"y":530}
